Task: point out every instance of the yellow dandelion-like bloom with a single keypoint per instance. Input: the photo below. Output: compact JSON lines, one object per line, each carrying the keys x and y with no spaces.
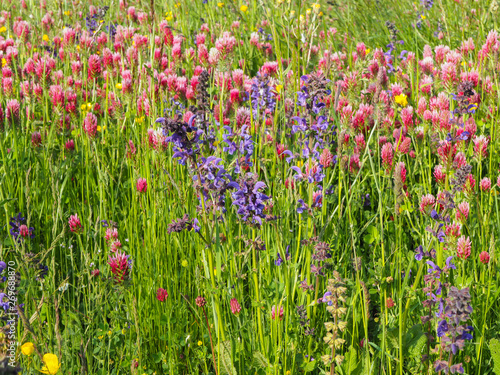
{"x":243,"y":8}
{"x":184,"y":263}
{"x":89,"y":106}
{"x":367,"y":51}
{"x":52,"y":364}
{"x":139,"y":120}
{"x":67,"y":13}
{"x":109,"y":333}
{"x":45,"y":38}
{"x":27,"y":348}
{"x":220,"y":5}
{"x":316,"y":6}
{"x":200,"y":343}
{"x":423,"y":17}
{"x":279,"y":88}
{"x":4,"y":62}
{"x":119,"y":86}
{"x":308,"y":11}
{"x":3,"y":29}
{"x":402,"y":100}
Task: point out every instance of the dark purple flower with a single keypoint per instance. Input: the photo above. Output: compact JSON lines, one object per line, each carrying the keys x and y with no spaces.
{"x":442,"y":328}
{"x":249,"y":199}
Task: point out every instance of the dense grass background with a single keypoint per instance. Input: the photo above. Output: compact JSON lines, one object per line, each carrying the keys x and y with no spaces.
{"x":97,"y":326}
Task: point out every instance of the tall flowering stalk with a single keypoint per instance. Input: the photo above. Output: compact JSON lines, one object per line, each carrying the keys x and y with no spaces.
{"x":335,"y":298}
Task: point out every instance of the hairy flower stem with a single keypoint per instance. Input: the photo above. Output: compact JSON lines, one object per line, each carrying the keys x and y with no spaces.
{"x":211,"y":343}
{"x":209,"y":250}
{"x":257,"y":296}
{"x":332,"y":366}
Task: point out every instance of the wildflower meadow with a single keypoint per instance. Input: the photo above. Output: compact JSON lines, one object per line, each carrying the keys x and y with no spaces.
{"x":249,"y":187}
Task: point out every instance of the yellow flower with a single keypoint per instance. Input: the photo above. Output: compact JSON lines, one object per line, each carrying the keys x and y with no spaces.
{"x":243,"y":8}
{"x":100,"y":337}
{"x":288,"y":372}
{"x":3,"y":29}
{"x":89,"y":106}
{"x":367,"y":51}
{"x":200,"y":343}
{"x":216,"y":143}
{"x":101,"y":21}
{"x":215,"y":271}
{"x":316,"y":6}
{"x":68,"y":13}
{"x":102,"y":129}
{"x":27,"y":348}
{"x":45,"y":38}
{"x":302,"y":18}
{"x":308,"y":11}
{"x":320,"y":14}
{"x":139,"y":120}
{"x":109,"y":333}
{"x":83,"y":107}
{"x":52,"y":364}
{"x":78,"y":47}
{"x":423,"y":17}
{"x":292,"y":14}
{"x":4,"y":62}
{"x":119,"y":86}
{"x":184,"y":263}
{"x":279,"y":88}
{"x":220,"y":5}
{"x":401,"y":100}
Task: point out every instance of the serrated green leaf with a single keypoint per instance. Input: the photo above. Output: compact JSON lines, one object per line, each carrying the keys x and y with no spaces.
{"x":226,"y":363}
{"x":494,"y":346}
{"x":259,"y":360}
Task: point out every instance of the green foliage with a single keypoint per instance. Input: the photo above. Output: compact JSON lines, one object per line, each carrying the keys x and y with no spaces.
{"x":494,"y":346}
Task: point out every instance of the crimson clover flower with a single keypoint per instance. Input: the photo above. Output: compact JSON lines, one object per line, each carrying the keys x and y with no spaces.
{"x":18,"y":229}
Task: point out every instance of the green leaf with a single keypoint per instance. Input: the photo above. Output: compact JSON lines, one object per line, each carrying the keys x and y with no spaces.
{"x":310,"y":366}
{"x":351,"y":361}
{"x":259,"y":360}
{"x":226,"y":363}
{"x":494,"y":346}
{"x":415,"y":341}
{"x":164,"y":319}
